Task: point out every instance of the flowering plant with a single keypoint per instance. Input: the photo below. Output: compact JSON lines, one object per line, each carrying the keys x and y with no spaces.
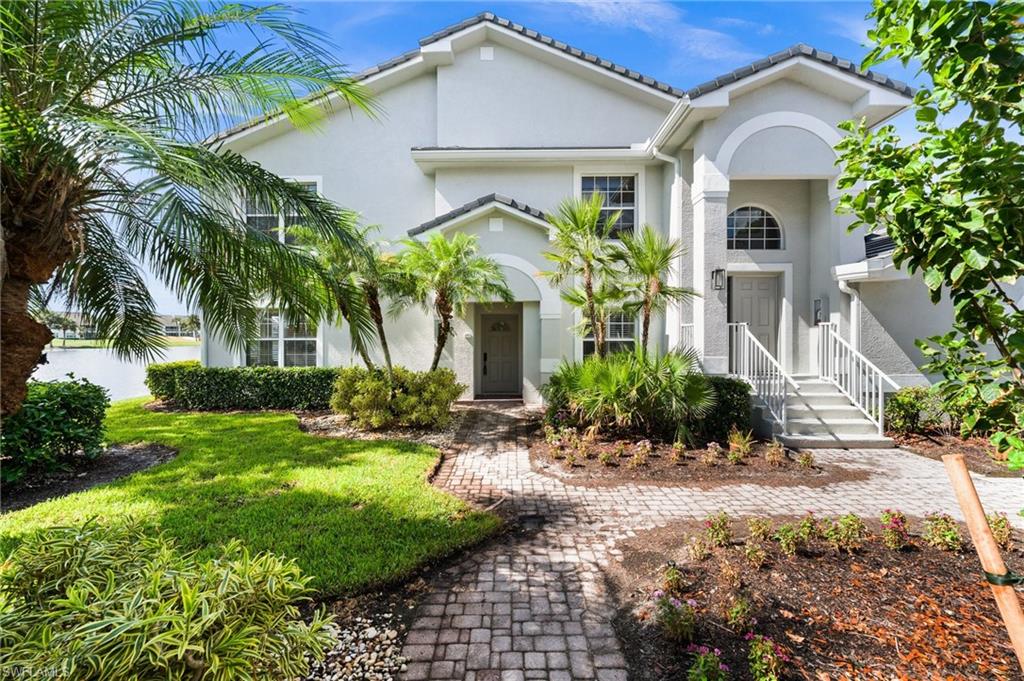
{"x":766,"y":658}
{"x":894,"y":530}
{"x":676,"y":619}
{"x":707,"y":665}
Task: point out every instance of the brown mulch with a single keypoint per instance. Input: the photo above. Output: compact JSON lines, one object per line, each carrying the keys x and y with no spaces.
{"x":113,"y":463}
{"x":979,"y":454}
{"x":329,"y":424}
{"x":661,"y":469}
{"x":917,"y":614}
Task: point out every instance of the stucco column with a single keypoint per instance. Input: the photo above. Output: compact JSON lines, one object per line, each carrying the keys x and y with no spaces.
{"x":710,"y":195}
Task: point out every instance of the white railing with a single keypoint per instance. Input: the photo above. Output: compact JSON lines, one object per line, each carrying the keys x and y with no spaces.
{"x":686,"y":339}
{"x":751,"y":361}
{"x":856,"y":377}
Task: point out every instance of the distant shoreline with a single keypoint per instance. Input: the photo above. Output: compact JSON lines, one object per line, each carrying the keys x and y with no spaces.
{"x":100,"y":343}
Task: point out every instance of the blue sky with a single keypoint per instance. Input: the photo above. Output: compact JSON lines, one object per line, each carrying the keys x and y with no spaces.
{"x":683,"y":44}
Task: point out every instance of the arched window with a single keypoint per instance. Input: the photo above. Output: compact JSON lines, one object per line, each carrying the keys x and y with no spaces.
{"x":752,"y":228}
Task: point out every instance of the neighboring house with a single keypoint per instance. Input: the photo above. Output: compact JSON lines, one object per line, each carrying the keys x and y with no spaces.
{"x":85,"y":328}
{"x":488,"y":125}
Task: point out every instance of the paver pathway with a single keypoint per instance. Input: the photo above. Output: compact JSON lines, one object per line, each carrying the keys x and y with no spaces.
{"x":536,"y":607}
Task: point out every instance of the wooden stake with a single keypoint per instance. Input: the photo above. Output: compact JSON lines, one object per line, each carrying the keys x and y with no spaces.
{"x":988,"y":551}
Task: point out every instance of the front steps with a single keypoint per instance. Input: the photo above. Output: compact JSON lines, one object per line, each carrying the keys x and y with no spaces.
{"x":819,"y":416}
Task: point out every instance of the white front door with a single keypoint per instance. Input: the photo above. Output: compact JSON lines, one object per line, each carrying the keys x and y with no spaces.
{"x":499,"y":356}
{"x":755,"y":300}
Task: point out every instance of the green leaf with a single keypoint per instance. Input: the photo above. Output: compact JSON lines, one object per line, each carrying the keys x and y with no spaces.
{"x":975,"y":259}
{"x":990,"y":392}
{"x":933,"y":279}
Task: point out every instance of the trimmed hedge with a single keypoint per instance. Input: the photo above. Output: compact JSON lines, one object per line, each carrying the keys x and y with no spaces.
{"x":59,"y":422}
{"x":731,"y":409}
{"x":421,"y":398}
{"x":190,"y":386}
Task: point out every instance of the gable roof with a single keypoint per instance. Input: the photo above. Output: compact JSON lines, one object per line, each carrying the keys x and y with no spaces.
{"x":799,"y":50}
{"x":495,"y":200}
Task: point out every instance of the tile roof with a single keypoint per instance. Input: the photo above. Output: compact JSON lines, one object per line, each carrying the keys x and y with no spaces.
{"x":473,"y":205}
{"x":799,"y":50}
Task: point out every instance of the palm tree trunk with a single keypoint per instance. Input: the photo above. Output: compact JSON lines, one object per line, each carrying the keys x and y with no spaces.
{"x":645,"y":325}
{"x":373,"y":302}
{"x":24,"y":340}
{"x":596,"y":328}
{"x":442,"y":336}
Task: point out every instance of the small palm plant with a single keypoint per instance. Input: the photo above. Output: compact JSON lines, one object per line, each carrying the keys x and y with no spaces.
{"x":648,"y":258}
{"x":447,"y":275}
{"x":583,"y":257}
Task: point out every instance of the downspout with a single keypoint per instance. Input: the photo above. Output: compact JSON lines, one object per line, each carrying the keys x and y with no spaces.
{"x":855,"y":312}
{"x":673,"y":315}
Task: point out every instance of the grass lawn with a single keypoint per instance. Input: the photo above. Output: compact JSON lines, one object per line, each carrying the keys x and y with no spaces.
{"x":352,"y":513}
{"x":169,"y":341}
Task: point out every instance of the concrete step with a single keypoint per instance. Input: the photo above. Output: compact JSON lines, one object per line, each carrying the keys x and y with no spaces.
{"x":824,"y":412}
{"x":836,"y":441}
{"x":839,"y":427}
{"x":816,"y":399}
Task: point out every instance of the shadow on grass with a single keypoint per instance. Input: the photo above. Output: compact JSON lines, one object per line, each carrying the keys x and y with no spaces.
{"x":353,"y":514}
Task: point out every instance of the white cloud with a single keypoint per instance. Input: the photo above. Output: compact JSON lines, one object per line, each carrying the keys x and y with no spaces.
{"x":747,"y":25}
{"x":666,"y":23}
{"x":852,"y":27}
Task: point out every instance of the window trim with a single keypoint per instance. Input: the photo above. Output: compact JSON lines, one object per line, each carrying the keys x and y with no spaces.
{"x":580,"y":339}
{"x":770,"y":211}
{"x":281,"y":338}
{"x":639,"y":171}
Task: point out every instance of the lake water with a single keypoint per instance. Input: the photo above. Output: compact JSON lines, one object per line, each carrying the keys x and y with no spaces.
{"x":100,"y":366}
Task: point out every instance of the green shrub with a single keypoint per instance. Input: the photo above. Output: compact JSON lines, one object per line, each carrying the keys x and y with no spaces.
{"x":767,"y":659}
{"x":676,"y":619}
{"x":421,"y":399}
{"x":942,"y":532}
{"x":94,"y":602}
{"x":912,"y":410}
{"x":846,"y":534}
{"x":190,"y":386}
{"x":732,"y":410}
{"x":59,"y":422}
{"x":162,"y":379}
{"x":707,"y":665}
{"x":630,"y":392}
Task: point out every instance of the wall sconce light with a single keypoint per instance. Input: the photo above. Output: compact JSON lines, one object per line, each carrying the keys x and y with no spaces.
{"x":718,"y":279}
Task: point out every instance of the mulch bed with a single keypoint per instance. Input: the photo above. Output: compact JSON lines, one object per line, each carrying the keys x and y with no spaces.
{"x":661,"y":468}
{"x":979,"y":454}
{"x":329,"y":424}
{"x":916,"y":614}
{"x":113,"y":463}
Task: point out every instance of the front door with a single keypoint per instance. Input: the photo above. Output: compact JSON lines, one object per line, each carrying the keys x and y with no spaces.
{"x":755,"y":300}
{"x":499,"y":356}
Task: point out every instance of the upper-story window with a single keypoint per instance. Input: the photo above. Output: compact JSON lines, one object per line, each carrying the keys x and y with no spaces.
{"x":754,"y":229}
{"x":619,"y":193}
{"x":282,"y":343}
{"x":258,"y":214}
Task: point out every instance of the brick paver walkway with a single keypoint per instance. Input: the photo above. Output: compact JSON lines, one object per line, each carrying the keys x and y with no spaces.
{"x":536,"y":607}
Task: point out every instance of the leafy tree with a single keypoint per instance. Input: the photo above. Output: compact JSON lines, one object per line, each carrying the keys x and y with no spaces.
{"x":447,"y":275}
{"x":648,"y":258}
{"x":55,"y":320}
{"x":953,"y":202}
{"x":582,"y":259}
{"x":191,"y":324}
{"x":105,"y":108}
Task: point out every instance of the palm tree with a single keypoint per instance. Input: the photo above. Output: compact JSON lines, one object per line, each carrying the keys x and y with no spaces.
{"x":55,"y":320}
{"x":106,"y":106}
{"x":383,"y":276}
{"x":648,"y":258}
{"x":582,"y":252}
{"x":447,"y":275}
{"x":191,"y":324}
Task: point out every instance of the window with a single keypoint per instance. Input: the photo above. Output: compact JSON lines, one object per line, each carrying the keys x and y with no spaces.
{"x":297,"y":339}
{"x":259,"y":215}
{"x":619,"y":193}
{"x":752,"y":228}
{"x":619,"y":334}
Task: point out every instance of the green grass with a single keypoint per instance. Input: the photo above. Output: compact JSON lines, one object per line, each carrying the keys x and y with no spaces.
{"x":354,"y":514}
{"x":169,"y":341}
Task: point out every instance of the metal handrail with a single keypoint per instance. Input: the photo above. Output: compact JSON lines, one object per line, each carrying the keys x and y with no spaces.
{"x":750,"y":360}
{"x":853,"y":374}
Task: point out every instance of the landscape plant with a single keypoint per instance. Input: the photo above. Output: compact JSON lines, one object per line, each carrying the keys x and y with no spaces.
{"x":952,"y":199}
{"x":108,"y":171}
{"x":648,"y":257}
{"x":739,"y":615}
{"x":894,"y":530}
{"x":755,"y":554}
{"x":121,"y":602}
{"x":707,"y":665}
{"x":767,"y":659}
{"x":1002,"y":531}
{"x":410,"y":399}
{"x":942,"y":532}
{"x":700,"y":548}
{"x":775,"y":454}
{"x":913,"y":409}
{"x":805,"y":460}
{"x":847,"y":534}
{"x":59,"y":425}
{"x":760,"y":529}
{"x":672,"y":579}
{"x":718,"y":529}
{"x":740,"y":442}
{"x":582,"y":257}
{"x":446,"y":274}
{"x":676,"y":619}
{"x":188,"y":385}
{"x":788,"y":538}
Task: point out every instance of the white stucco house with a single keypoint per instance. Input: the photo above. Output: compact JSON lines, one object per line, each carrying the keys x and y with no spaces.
{"x":489,"y":124}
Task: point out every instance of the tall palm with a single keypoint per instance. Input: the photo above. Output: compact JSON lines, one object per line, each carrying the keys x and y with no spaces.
{"x":648,"y":257}
{"x":448,"y":274}
{"x":381,"y":275}
{"x":105,"y":108}
{"x":583,"y":253}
